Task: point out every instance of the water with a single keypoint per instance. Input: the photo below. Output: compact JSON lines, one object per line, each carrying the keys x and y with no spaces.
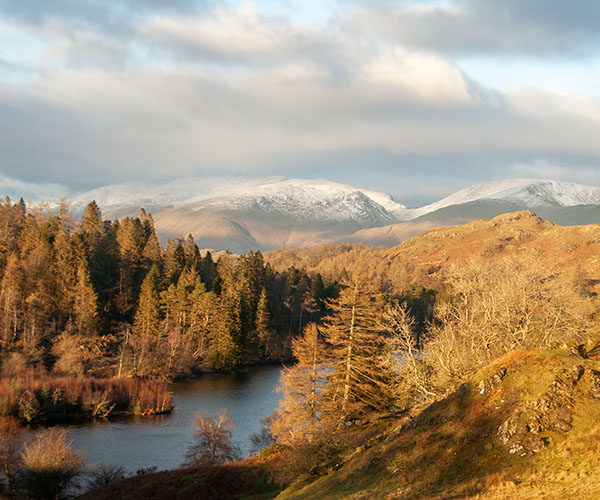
{"x":161,"y":441}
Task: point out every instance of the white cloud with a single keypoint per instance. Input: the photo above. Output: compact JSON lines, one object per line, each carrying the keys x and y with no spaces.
{"x":232,"y":90}
{"x":29,"y":191}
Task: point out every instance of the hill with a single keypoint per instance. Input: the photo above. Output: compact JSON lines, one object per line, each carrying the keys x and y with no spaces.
{"x":424,"y":258}
{"x":524,"y":427}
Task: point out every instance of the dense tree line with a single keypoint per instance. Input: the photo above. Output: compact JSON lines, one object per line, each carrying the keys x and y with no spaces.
{"x":103,"y":298}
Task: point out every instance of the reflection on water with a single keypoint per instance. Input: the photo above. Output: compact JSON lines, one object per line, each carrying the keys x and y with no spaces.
{"x":162,"y":440}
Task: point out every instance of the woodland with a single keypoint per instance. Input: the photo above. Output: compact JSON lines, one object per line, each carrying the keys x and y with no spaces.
{"x":385,"y":335}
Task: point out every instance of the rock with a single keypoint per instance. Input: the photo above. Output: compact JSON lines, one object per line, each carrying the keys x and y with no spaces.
{"x":595,"y":384}
{"x":516,"y":448}
{"x":509,"y":428}
{"x":485,"y":386}
{"x":534,"y":444}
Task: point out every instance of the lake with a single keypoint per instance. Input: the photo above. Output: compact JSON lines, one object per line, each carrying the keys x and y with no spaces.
{"x":161,"y":441}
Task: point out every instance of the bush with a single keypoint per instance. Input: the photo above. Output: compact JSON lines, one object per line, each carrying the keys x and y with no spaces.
{"x":104,"y":475}
{"x":214,"y":445}
{"x":49,"y":465}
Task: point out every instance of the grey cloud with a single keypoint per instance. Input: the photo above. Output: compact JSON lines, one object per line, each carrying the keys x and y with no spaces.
{"x":476,"y":27}
{"x":92,"y":128}
{"x":98,"y":13}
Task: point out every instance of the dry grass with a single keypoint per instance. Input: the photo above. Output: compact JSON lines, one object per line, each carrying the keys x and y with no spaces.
{"x":451,"y":449}
{"x":33,"y":395}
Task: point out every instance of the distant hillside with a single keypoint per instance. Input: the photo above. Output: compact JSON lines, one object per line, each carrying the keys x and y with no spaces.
{"x":395,"y":234}
{"x":423,"y":258}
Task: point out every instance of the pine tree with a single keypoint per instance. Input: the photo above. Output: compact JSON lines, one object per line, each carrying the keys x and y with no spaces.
{"x":191,"y":253}
{"x":85,"y":303}
{"x":360,"y":381}
{"x":174,"y":261}
{"x":152,"y":252}
{"x":11,"y":300}
{"x":147,"y":317}
{"x":300,"y":410}
{"x":226,"y":333}
{"x":264,"y":331}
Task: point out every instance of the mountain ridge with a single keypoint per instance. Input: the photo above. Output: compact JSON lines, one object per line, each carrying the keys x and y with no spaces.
{"x":243,"y":213}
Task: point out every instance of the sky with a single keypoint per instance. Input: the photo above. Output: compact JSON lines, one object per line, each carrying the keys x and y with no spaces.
{"x":418,"y":98}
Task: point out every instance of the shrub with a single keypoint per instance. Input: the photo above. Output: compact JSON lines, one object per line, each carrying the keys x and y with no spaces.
{"x":214,"y":445}
{"x":49,"y":465}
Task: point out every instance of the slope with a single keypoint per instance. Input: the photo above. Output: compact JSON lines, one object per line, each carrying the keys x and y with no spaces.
{"x":424,"y":258}
{"x":525,"y":427}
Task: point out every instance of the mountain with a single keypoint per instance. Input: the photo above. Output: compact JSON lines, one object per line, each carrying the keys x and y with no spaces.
{"x":243,"y":213}
{"x":424,"y":258}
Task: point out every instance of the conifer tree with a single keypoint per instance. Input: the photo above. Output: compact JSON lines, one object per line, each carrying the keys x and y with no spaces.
{"x":264,"y":331}
{"x":226,"y":334}
{"x":174,"y":261}
{"x":208,"y":271}
{"x":300,"y":410}
{"x":147,"y":317}
{"x":191,"y":253}
{"x":151,"y":252}
{"x":85,"y":303}
{"x":11,"y":297}
{"x":359,"y":382}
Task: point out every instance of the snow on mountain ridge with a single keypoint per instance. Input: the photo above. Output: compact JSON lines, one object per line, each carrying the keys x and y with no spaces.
{"x":530,"y":192}
{"x":313,"y":199}
{"x":321,"y":199}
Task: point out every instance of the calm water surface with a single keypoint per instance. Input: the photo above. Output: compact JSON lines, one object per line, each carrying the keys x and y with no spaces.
{"x":162,"y":441}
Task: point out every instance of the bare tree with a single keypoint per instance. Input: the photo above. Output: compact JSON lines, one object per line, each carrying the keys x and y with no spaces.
{"x":213,"y":435}
{"x":404,"y":356}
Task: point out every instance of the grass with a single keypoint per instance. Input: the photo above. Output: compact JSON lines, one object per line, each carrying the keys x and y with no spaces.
{"x":35,"y":396}
{"x":451,"y":450}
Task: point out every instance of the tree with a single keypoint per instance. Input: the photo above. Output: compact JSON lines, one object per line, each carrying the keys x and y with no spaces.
{"x":359,"y":382}
{"x":213,"y":435}
{"x":147,"y":317}
{"x":11,"y":298}
{"x":302,"y":386}
{"x":85,"y":302}
{"x":495,"y":307}
{"x":49,"y":465}
{"x":404,"y":357}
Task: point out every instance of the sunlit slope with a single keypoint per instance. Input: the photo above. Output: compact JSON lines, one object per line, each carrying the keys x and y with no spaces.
{"x":525,"y":427}
{"x":423,"y":258}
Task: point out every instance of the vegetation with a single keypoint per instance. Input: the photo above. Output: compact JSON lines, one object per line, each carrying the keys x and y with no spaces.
{"x":103,"y":299}
{"x":213,"y":436}
{"x":34,"y":396}
{"x":422,"y":373}
{"x":48,"y":465}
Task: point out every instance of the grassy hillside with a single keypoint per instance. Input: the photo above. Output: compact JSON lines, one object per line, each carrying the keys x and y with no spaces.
{"x":423,"y":259}
{"x":524,"y":427}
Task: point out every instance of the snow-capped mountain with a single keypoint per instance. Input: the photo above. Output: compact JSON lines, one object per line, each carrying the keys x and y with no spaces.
{"x":240,"y":213}
{"x":318,"y":200}
{"x":530,"y":193}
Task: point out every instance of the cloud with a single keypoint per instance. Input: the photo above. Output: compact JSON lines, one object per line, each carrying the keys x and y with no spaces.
{"x":31,"y":192}
{"x":225,"y":90}
{"x":479,"y":27}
